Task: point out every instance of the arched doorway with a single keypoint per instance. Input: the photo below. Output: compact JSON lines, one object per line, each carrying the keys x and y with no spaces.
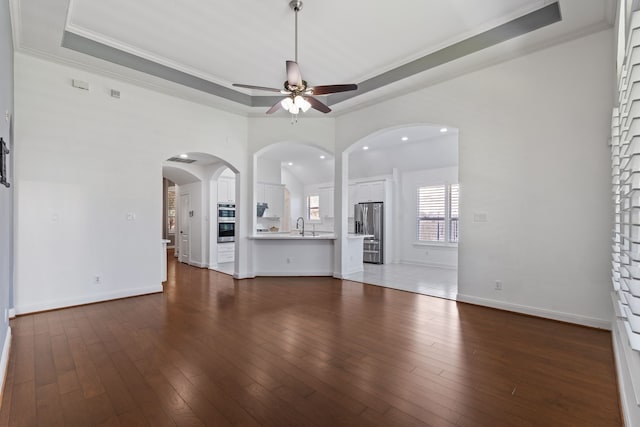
{"x":288,"y":175}
{"x":413,"y":171}
{"x":191,"y":213}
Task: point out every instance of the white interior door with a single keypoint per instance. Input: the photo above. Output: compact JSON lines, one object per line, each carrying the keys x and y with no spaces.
{"x":184,"y":227}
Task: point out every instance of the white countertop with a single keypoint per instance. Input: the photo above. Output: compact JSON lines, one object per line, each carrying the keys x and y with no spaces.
{"x":358,"y":236}
{"x":289,"y":236}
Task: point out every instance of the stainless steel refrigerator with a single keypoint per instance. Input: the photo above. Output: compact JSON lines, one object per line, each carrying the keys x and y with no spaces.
{"x":369,"y":219}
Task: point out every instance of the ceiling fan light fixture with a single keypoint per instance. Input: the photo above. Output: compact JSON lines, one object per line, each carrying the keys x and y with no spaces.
{"x":286,"y":103}
{"x":298,"y":92}
{"x":301,"y":103}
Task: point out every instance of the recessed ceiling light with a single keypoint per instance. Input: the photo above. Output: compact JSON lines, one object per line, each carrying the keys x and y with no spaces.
{"x":365,"y":148}
{"x":290,"y":164}
{"x":322,"y":157}
{"x":405,"y":138}
{"x":443,"y":130}
{"x":184,"y":156}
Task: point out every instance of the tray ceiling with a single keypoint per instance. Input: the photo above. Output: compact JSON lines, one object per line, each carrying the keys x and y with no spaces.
{"x":206,"y":46}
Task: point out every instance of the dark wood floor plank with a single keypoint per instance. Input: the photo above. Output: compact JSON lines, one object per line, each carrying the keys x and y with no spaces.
{"x":282,"y":351}
{"x":23,"y":350}
{"x":75,"y":410}
{"x":49,"y":407}
{"x":85,"y":369}
{"x":61,"y":354}
{"x":45,"y":370}
{"x":23,"y":405}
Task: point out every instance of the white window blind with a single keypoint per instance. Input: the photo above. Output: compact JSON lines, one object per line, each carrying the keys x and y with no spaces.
{"x":313,"y":208}
{"x":625,"y":169}
{"x":454,"y":214}
{"x":431,"y":214}
{"x":625,"y":262}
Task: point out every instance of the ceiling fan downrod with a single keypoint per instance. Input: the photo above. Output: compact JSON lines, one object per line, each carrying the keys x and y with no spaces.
{"x":296,"y":5}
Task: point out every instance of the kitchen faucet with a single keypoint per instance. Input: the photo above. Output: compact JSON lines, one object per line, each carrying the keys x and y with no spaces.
{"x":297,"y":225}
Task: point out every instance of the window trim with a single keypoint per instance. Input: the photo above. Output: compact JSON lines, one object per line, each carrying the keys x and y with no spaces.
{"x":308,"y":209}
{"x":447,"y":242}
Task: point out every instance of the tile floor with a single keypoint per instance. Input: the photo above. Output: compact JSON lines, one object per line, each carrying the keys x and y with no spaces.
{"x":437,"y":282}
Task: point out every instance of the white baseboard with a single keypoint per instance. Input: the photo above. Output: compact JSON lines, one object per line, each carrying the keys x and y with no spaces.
{"x":12,"y":313}
{"x":4,"y":361}
{"x":344,"y":276}
{"x":538,"y":312}
{"x":295,"y":273}
{"x":199,"y":264}
{"x":429,"y":264}
{"x":241,"y":276}
{"x":85,"y":299}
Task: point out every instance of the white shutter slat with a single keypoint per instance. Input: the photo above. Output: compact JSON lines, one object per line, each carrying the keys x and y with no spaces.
{"x":431,"y":214}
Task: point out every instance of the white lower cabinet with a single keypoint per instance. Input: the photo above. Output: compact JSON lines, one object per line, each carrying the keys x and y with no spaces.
{"x":226,"y":252}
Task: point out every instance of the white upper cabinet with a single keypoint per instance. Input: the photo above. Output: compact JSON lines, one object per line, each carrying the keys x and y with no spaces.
{"x":326,"y":202}
{"x":369,"y":192}
{"x":226,"y":189}
{"x":272,"y":195}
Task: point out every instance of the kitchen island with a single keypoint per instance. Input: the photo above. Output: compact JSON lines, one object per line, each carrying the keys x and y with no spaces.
{"x":289,"y":254}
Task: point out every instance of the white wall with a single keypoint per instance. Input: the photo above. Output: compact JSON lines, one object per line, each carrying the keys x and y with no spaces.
{"x":437,"y":255}
{"x":435,"y":153}
{"x":269,"y":171}
{"x":296,"y":196}
{"x":533,"y":156}
{"x":6,"y":194}
{"x":72,"y":202}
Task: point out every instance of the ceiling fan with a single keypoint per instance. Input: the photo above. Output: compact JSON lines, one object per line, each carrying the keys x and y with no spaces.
{"x":298,"y":92}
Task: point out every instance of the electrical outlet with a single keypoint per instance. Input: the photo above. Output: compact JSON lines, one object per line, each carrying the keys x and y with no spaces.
{"x":96,"y":280}
{"x":498,"y":285}
{"x":288,"y":260}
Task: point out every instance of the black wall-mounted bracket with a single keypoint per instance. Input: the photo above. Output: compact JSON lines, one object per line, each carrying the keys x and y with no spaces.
{"x":4,"y":151}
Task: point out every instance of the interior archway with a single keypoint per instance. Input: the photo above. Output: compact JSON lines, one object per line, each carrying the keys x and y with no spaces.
{"x":413,"y":170}
{"x":286,"y":175}
{"x":192,"y":215}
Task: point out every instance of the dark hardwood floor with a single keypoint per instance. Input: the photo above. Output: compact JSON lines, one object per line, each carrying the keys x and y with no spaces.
{"x":303,"y":352}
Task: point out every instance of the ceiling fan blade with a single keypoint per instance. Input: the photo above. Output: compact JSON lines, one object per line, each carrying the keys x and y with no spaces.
{"x":294,"y":78}
{"x":275,"y":107}
{"x":317,"y":105}
{"x":268,"y":89}
{"x":327,"y":89}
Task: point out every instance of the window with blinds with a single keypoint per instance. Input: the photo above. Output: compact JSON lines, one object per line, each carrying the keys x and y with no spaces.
{"x":313,"y":208}
{"x":454,"y":215}
{"x":437,"y":216}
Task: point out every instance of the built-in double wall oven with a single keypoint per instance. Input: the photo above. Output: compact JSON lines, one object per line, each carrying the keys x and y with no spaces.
{"x":226,"y":222}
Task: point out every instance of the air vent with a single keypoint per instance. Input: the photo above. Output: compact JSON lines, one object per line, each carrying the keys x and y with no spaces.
{"x":179,"y":160}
